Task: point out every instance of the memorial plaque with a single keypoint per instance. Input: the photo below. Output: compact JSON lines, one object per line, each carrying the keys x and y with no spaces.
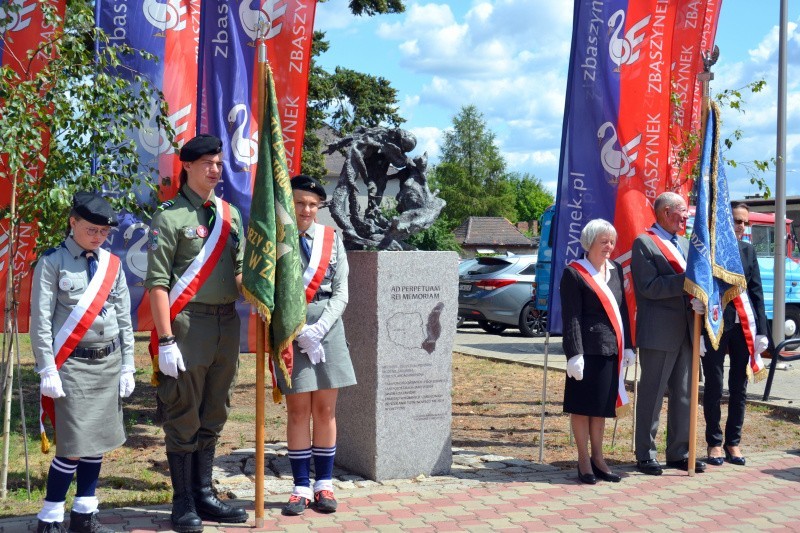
{"x":400,"y":322}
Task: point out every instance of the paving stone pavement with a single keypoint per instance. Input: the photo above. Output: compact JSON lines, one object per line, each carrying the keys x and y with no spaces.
{"x":520,"y":495}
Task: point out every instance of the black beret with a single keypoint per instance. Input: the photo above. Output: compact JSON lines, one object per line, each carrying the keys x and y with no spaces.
{"x":199,"y":146}
{"x":94,"y":208}
{"x":307,"y":183}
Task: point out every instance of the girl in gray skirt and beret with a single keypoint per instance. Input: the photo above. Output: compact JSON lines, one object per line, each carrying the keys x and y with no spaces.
{"x":82,"y":340}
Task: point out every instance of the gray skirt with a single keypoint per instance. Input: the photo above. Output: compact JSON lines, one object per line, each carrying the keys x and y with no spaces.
{"x":337,"y":370}
{"x":89,"y":418}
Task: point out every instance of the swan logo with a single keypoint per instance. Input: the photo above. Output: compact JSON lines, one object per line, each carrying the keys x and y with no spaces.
{"x":17,"y":19}
{"x":618,"y":162}
{"x":244,"y":148}
{"x":623,"y":48}
{"x":166,"y":15}
{"x":261,"y":22}
{"x":136,"y":255}
{"x":152,"y":138}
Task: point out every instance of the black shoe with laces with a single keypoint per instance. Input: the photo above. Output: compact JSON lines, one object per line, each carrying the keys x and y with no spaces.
{"x":50,"y":527}
{"x":86,"y":523}
{"x":295,"y":506}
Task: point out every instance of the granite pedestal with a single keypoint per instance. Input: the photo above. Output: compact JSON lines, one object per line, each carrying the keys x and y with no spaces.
{"x":400,"y":323}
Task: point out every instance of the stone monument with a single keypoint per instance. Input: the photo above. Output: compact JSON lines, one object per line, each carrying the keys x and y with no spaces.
{"x":400,"y":323}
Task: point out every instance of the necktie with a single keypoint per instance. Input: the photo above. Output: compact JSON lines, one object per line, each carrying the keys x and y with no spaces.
{"x":91,"y":266}
{"x":674,"y":241}
{"x":304,"y":245}
{"x":91,"y":262}
{"x":209,"y":205}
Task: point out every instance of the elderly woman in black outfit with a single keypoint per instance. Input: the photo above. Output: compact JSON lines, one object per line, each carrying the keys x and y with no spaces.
{"x":597,"y":344}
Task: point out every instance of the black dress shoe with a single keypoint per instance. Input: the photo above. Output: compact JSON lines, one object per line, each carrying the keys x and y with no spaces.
{"x":733,"y":459}
{"x":605,"y":476}
{"x":683,"y":464}
{"x":589,"y":479}
{"x":651,"y":467}
{"x":714,"y":461}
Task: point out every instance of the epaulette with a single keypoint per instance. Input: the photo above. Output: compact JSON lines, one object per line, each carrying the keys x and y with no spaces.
{"x":48,"y":252}
{"x":166,"y":205}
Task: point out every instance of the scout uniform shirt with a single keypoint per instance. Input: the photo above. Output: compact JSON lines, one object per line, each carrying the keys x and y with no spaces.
{"x":177,"y":233}
{"x":63,"y":280}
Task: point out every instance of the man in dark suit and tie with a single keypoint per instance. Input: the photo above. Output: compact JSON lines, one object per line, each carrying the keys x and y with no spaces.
{"x":663,"y":335}
{"x":735,"y":344}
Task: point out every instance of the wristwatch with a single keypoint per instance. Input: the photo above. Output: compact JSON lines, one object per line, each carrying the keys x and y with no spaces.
{"x":166,"y":340}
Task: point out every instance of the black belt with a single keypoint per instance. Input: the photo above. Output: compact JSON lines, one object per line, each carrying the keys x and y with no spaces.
{"x":95,"y":353}
{"x":321,"y":296}
{"x":211,"y":309}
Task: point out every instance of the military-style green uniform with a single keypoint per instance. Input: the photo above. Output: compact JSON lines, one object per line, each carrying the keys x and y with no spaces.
{"x":207,"y":330}
{"x":89,"y":418}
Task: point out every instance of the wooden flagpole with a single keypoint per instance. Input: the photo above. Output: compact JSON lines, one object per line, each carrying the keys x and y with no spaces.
{"x":261,"y":327}
{"x":260,"y":407}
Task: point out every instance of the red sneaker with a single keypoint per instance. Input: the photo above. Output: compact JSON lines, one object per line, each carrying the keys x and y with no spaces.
{"x":296,"y":506}
{"x":324,"y":502}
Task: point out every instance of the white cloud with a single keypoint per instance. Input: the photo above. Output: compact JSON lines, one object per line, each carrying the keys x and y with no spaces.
{"x":428,"y":140}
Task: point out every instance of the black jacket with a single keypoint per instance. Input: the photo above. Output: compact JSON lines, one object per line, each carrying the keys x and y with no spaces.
{"x":587,"y":328}
{"x":754,"y":291}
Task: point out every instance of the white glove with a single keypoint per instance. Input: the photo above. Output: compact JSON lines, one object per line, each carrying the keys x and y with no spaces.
{"x":628,"y":357}
{"x":315,"y":353}
{"x":698,"y":306}
{"x":703,"y":347}
{"x":575,"y":367}
{"x":170,"y":360}
{"x":762,"y":343}
{"x":313,"y":333}
{"x":126,"y":381}
{"x":50,"y":384}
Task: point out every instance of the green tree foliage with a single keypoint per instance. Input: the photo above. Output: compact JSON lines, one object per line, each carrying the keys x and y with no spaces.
{"x":376,"y":7}
{"x":471,"y":177}
{"x":362,"y":100}
{"x":532,"y":198}
{"x":76,"y":107}
{"x":438,"y":237}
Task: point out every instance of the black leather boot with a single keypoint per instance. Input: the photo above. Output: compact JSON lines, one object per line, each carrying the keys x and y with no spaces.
{"x":50,"y":527}
{"x":184,"y":517}
{"x":208,"y":506}
{"x":86,"y":523}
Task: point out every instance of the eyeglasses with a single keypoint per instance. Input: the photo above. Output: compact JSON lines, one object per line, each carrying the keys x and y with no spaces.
{"x":738,"y":221}
{"x":94,"y":232}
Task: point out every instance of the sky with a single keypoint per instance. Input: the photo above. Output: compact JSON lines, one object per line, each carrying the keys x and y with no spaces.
{"x":509,"y":58}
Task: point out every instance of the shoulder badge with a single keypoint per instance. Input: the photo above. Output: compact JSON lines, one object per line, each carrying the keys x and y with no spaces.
{"x":48,"y":252}
{"x":166,"y":205}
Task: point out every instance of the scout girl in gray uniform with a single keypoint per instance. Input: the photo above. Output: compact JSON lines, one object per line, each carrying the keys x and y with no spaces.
{"x":87,"y":387}
{"x":321,"y":363}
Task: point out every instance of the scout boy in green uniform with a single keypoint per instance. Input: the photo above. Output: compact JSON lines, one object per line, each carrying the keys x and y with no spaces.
{"x":82,"y":339}
{"x":194,"y":274}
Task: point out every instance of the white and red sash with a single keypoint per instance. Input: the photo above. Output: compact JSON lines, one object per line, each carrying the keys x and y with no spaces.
{"x":609,"y":303}
{"x":744,"y":310}
{"x":77,"y":324}
{"x":321,"y":251}
{"x":198,"y":271}
{"x":670,"y":252}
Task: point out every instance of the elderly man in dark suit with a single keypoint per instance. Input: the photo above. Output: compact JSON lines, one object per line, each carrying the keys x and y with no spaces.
{"x":663,"y":335}
{"x":734,"y":343}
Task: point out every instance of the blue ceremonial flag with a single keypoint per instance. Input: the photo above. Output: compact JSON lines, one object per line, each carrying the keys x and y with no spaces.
{"x":714,"y":271}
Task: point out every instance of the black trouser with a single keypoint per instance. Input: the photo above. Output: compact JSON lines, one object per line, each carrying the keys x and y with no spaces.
{"x":732,"y":343}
